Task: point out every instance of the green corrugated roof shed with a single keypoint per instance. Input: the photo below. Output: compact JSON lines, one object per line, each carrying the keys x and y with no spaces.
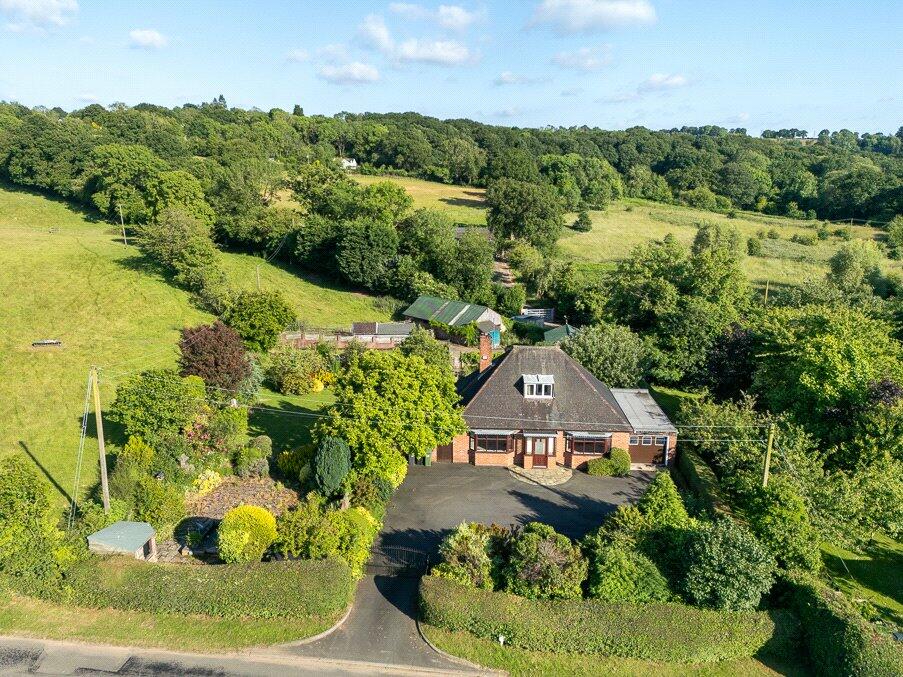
{"x":454,"y":313}
{"x":559,"y":333}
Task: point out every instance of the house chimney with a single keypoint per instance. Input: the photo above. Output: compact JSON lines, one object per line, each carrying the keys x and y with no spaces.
{"x":485,"y":352}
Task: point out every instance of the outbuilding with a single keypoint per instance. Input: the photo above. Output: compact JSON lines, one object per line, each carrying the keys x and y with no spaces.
{"x":136,"y":539}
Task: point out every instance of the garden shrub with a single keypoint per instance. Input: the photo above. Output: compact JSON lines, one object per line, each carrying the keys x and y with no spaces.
{"x":371,"y":492}
{"x":725,"y":567}
{"x":624,"y":525}
{"x":251,"y":462}
{"x":157,"y":401}
{"x":227,"y":429}
{"x":617,"y":464}
{"x":754,"y":246}
{"x":465,"y":557}
{"x":618,"y":574}
{"x":331,"y":464}
{"x":296,"y":529}
{"x":654,"y":631}
{"x":662,"y":505}
{"x":33,"y":554}
{"x":136,"y":452}
{"x":253,"y":590}
{"x":839,"y":641}
{"x":259,"y":317}
{"x":295,"y":464}
{"x":245,"y":534}
{"x":544,"y":564}
{"x":159,"y":503}
{"x":262,"y":443}
{"x":583,"y":223}
{"x":356,"y":530}
{"x":292,"y":371}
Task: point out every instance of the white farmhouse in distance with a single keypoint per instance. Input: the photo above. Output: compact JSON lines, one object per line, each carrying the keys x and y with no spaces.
{"x":349,"y":164}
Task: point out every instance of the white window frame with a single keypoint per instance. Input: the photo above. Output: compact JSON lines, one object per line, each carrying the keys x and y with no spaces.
{"x":649,"y":443}
{"x":634,"y":440}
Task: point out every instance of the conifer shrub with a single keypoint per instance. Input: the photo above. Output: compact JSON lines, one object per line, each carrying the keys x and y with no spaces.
{"x":245,"y":534}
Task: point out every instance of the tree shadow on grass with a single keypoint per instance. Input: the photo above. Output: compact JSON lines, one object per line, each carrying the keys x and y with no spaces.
{"x":477,"y":202}
{"x":783,"y":652}
{"x":288,"y":425}
{"x":87,"y":213}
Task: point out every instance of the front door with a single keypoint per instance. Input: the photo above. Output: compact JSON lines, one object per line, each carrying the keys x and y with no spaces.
{"x":540,"y":457}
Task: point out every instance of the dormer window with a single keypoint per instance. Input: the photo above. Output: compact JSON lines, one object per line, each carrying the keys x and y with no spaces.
{"x":539,"y":385}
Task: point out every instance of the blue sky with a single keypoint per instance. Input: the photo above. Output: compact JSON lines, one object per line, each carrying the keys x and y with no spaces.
{"x":607,"y":63}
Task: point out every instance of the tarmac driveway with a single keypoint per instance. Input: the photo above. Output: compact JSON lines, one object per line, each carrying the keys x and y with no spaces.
{"x":434,"y":500}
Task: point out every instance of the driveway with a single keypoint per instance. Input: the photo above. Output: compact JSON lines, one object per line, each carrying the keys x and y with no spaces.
{"x":433,"y":501}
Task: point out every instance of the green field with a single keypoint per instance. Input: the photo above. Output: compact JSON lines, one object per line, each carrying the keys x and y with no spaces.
{"x":876,"y":574}
{"x":629,"y":222}
{"x":464,"y":205}
{"x":82,"y":285}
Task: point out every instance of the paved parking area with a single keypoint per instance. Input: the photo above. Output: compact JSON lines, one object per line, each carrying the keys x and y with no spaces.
{"x":434,"y":500}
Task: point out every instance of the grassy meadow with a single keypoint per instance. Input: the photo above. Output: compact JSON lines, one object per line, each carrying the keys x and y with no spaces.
{"x":65,"y":276}
{"x":630,"y":222}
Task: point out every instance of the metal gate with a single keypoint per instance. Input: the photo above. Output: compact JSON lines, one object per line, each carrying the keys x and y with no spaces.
{"x":398,"y":561}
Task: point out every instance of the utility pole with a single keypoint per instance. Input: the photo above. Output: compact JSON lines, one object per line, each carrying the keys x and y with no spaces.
{"x":766,"y":292}
{"x":258,"y":277}
{"x":768,"y":455}
{"x":122,"y":223}
{"x":101,"y":446}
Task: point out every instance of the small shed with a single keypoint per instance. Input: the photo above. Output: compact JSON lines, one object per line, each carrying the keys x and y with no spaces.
{"x":125,"y":538}
{"x":556,"y":335}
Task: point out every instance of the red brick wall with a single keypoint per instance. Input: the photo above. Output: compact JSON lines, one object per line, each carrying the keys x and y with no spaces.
{"x":493,"y":458}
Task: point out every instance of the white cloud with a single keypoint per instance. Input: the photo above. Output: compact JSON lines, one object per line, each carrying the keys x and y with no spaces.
{"x":297,"y":56}
{"x":509,"y":78}
{"x":663,"y":81}
{"x":353,"y":73}
{"x":334,"y":53}
{"x":374,"y":34}
{"x":451,"y":17}
{"x":147,"y":38}
{"x":590,"y":16}
{"x":441,"y":52}
{"x":87,"y":98}
{"x":572,"y":91}
{"x":584,"y":59}
{"x":37,"y":13}
{"x":508,"y":112}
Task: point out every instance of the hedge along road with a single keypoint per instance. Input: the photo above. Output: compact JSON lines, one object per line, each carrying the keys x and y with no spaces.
{"x":431,"y":502}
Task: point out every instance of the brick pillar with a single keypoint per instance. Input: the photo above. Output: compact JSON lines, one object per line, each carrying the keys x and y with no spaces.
{"x":485,"y":352}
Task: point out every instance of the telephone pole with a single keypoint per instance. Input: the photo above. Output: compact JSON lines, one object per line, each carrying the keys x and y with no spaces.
{"x":122,"y":223}
{"x":258,"y":277}
{"x":768,"y":455}
{"x":101,"y":446}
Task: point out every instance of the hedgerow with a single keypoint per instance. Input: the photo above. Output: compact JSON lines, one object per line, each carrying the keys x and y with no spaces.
{"x":839,"y":640}
{"x":701,"y":480}
{"x":665,"y":632}
{"x":254,"y":590}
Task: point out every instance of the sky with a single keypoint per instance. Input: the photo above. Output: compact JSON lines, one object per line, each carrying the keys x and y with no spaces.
{"x":612,"y":64}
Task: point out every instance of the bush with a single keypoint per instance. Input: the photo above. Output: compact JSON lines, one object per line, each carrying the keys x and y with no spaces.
{"x":773,"y":234}
{"x":805,"y":239}
{"x":331,"y":465}
{"x":544,"y":564}
{"x":295,"y":464}
{"x":136,"y":453}
{"x":259,"y":317}
{"x":583,"y":223}
{"x":839,"y":641}
{"x":662,"y":632}
{"x":510,"y":301}
{"x":293,"y":371}
{"x":253,"y":590}
{"x":465,"y":557}
{"x":625,"y":525}
{"x":726,"y":567}
{"x":227,"y":429}
{"x":33,"y":556}
{"x":215,"y":353}
{"x":371,"y":492}
{"x":245,"y":534}
{"x":662,"y":505}
{"x":159,"y":503}
{"x":754,"y":246}
{"x":618,"y":574}
{"x":309,"y":531}
{"x":616,"y":465}
{"x":251,"y":462}
{"x":157,"y":401}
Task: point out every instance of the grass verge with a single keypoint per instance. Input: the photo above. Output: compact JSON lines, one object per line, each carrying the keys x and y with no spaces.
{"x":29,"y":617}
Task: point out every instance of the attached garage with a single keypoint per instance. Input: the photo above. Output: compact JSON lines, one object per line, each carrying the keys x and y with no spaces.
{"x":654,"y":436}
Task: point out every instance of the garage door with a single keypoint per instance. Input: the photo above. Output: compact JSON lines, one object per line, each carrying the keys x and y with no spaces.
{"x":647,"y":449}
{"x":444,"y":453}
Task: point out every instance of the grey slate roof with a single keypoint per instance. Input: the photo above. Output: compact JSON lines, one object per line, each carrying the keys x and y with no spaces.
{"x":494,"y":398}
{"x":122,"y":537}
{"x":643,"y":411}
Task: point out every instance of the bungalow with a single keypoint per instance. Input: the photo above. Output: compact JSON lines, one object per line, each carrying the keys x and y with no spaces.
{"x":536,"y":407}
{"x":431,"y":311}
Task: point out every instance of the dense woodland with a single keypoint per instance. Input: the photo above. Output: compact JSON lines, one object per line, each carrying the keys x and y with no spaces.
{"x":822,"y":361}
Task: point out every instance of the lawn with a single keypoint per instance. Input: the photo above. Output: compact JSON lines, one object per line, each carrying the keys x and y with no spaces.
{"x":876,"y":575}
{"x":464,"y":205}
{"x":65,"y":276}
{"x":28,"y":617}
{"x":522,"y":662}
{"x":628,"y":223}
{"x":287,"y":419}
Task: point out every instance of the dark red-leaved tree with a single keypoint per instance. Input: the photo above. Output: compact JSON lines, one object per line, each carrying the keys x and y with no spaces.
{"x":217,"y":354}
